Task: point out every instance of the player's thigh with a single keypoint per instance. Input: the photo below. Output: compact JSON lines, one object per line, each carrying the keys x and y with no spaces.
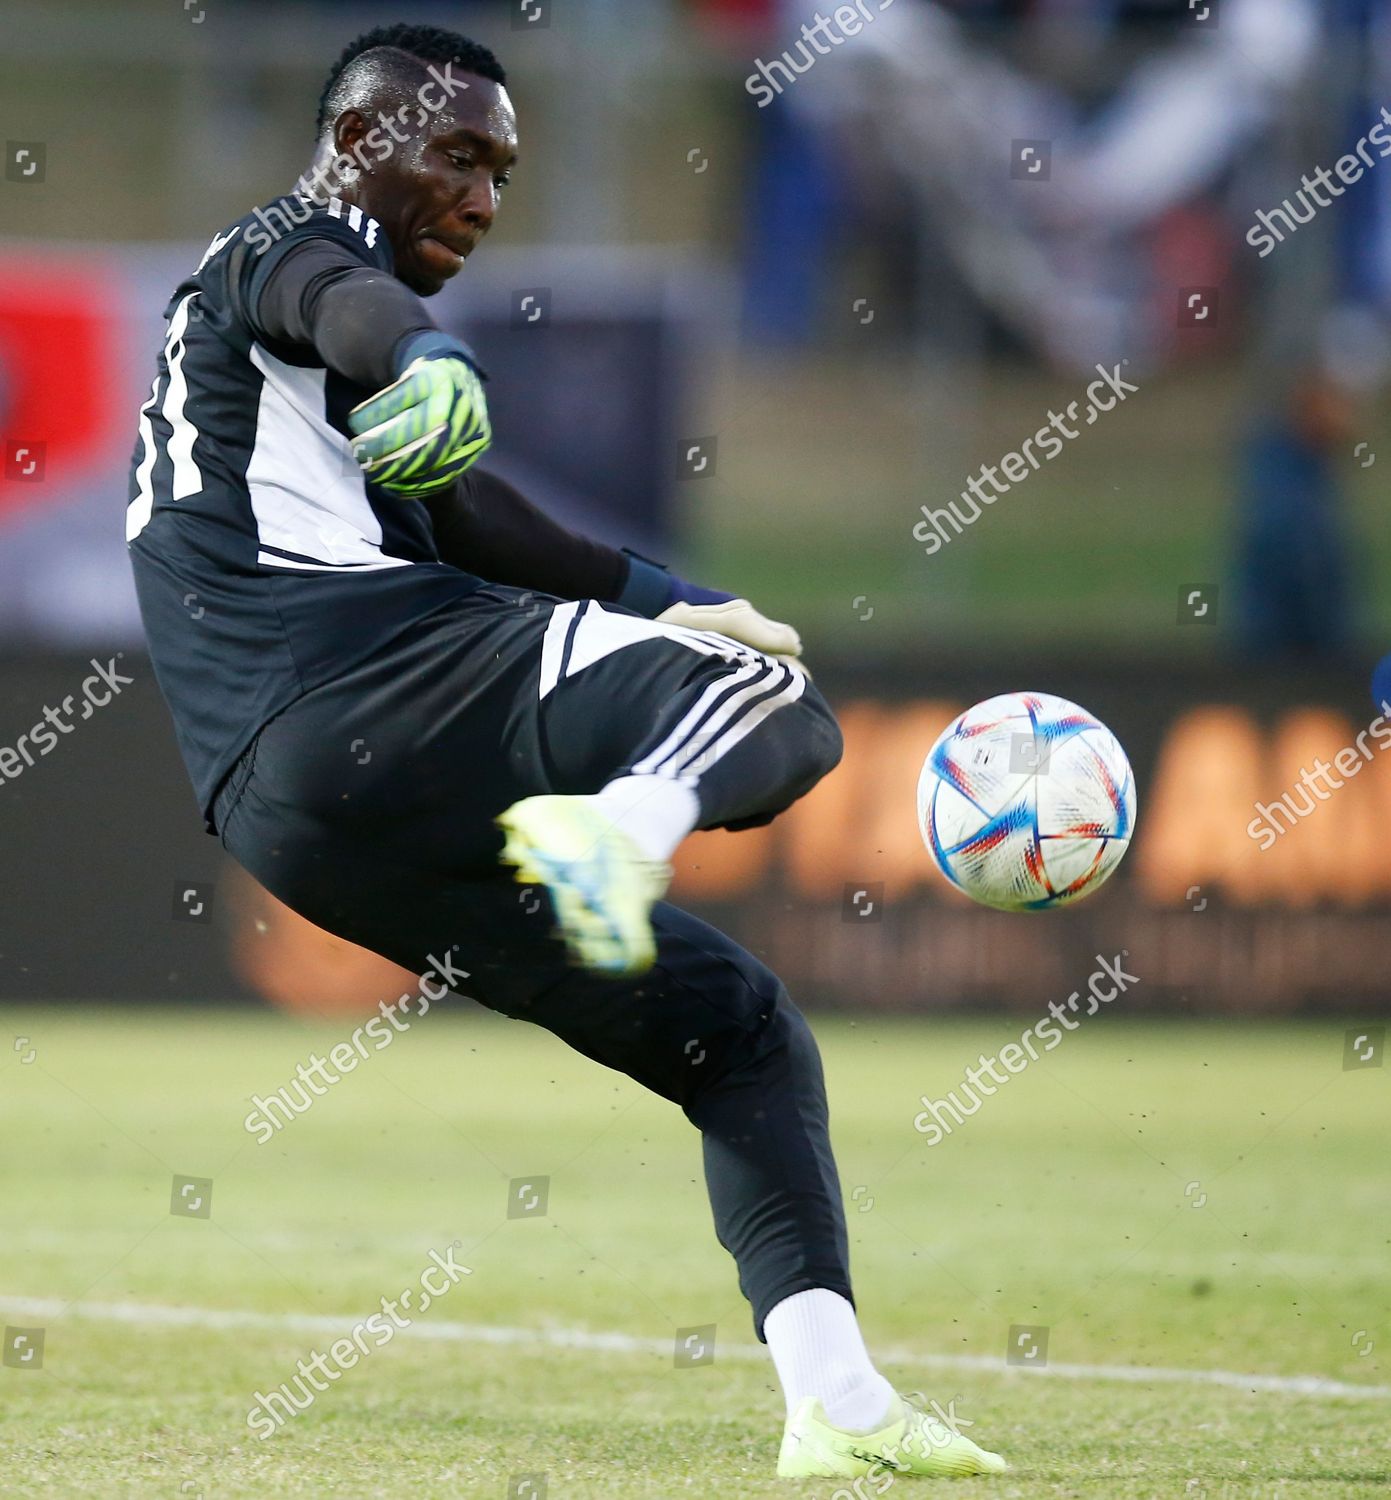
{"x":503,"y":695}
{"x":624,"y":685}
{"x":418,"y":749}
{"x":363,"y":885}
{"x":704,"y":1008}
{"x":618,"y":691}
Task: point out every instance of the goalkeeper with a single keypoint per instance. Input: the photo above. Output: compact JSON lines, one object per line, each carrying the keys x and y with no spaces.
{"x":401,"y":690}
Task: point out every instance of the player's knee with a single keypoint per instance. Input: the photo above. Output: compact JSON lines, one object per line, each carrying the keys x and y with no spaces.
{"x":806,"y":745}
{"x":795,"y":1037}
{"x":812,"y":744}
{"x":777,"y":1039}
{"x":823,"y":744}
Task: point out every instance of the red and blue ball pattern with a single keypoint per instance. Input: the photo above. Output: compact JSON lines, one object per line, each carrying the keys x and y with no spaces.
{"x":1026,"y":802}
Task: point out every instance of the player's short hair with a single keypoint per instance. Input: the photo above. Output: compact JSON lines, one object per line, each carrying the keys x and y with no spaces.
{"x":414,"y":45}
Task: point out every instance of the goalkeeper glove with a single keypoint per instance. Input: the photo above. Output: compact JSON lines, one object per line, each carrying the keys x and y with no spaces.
{"x":420,"y":434}
{"x":652,"y":591}
{"x":740,"y":621}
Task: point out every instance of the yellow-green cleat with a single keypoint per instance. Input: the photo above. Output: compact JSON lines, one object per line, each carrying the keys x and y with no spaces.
{"x":911,"y":1442}
{"x":600,"y":884}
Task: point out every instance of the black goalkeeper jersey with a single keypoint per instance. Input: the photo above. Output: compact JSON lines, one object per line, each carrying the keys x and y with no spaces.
{"x":264,"y":562}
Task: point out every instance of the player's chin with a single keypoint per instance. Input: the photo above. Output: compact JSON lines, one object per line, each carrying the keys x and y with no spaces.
{"x":423,"y":283}
{"x":431,"y":266}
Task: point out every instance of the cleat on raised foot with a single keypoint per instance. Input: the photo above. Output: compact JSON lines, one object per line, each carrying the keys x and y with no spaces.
{"x":910,"y":1442}
{"x":600,"y":884}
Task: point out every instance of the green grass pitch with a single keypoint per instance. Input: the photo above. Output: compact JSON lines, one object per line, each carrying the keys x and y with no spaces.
{"x":1184,"y":1198}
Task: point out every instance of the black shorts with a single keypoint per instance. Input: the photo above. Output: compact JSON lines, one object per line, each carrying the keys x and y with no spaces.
{"x":404,"y":763}
{"x":368,"y":807}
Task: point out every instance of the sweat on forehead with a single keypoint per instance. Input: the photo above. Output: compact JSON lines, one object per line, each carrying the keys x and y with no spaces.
{"x":380,"y":81}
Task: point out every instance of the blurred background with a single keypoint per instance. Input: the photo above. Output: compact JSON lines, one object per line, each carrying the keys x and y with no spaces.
{"x":771,"y":285}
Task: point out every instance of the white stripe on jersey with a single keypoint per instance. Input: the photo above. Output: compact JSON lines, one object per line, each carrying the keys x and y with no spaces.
{"x":139,"y":510}
{"x":553,"y":644}
{"x":307,"y":491}
{"x":364,"y":223}
{"x":273,"y":560}
{"x":601,"y":632}
{"x":188,"y":477}
{"x":732,"y":706}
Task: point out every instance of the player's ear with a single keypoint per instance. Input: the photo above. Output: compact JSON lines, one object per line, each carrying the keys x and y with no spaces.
{"x":349,"y":131}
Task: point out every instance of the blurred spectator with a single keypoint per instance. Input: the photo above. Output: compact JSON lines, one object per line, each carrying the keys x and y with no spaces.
{"x":1293,"y":569}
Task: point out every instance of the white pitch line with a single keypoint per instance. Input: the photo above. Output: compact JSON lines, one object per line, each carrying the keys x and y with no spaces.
{"x":161,"y":1316}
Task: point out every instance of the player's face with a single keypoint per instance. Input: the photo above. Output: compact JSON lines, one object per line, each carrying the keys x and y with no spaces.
{"x":437,"y":191}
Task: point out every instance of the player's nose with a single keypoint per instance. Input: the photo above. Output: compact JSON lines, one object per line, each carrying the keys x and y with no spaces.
{"x":478,"y":205}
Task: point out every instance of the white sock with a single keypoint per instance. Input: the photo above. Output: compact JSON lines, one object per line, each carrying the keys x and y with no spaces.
{"x":817,"y":1347}
{"x":654,"y":811}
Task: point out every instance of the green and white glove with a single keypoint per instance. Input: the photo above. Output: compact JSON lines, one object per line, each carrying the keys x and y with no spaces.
{"x":420,"y":433}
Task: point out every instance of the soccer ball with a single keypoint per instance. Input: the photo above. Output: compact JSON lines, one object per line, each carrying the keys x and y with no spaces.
{"x":1026,"y":801}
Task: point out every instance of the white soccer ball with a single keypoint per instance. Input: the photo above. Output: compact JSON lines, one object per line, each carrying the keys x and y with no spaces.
{"x":1026,"y":801}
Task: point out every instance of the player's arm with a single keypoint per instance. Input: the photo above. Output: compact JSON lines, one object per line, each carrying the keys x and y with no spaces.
{"x":428,"y":421}
{"x":370,"y":328}
{"x":484,"y":525}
